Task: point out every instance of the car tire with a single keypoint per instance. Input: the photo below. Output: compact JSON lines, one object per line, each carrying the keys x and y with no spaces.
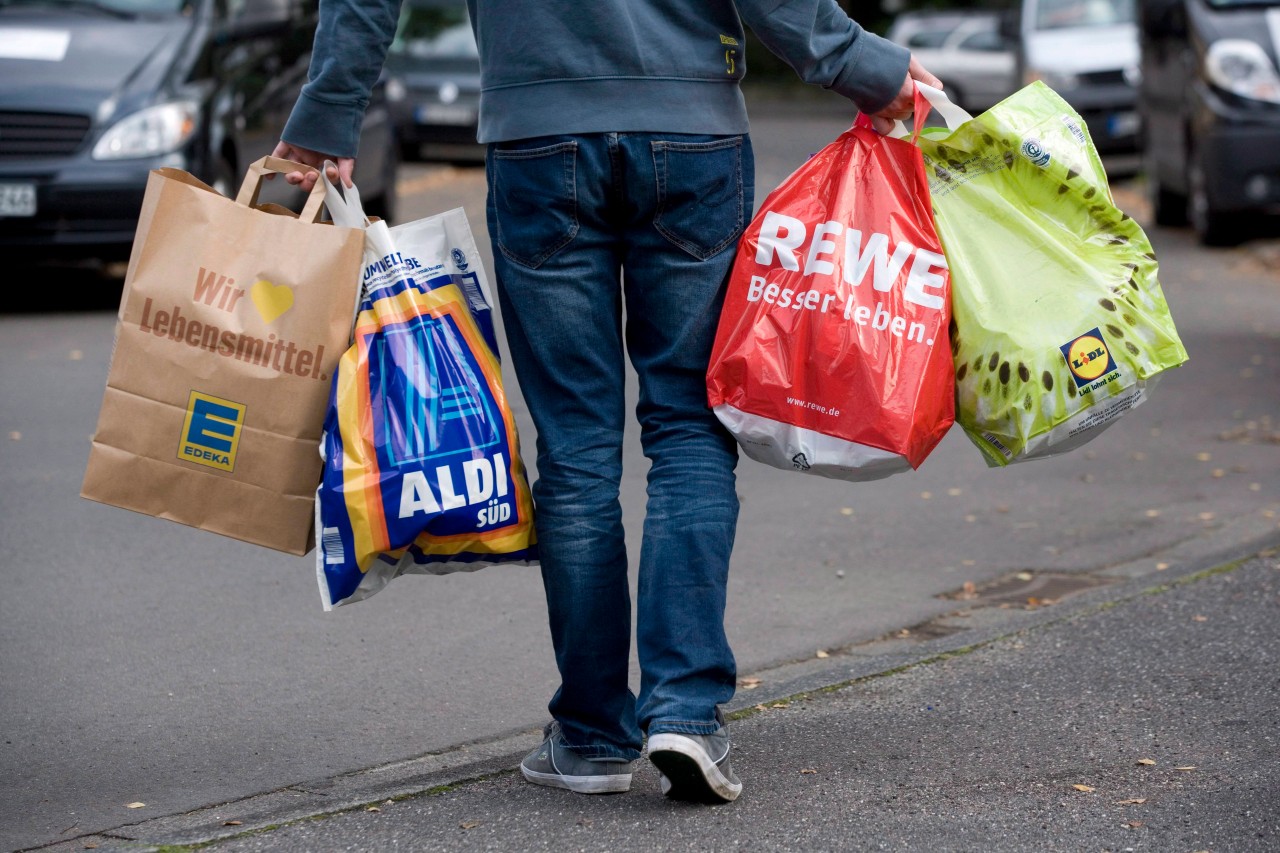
{"x":1213,"y":226}
{"x":383,"y":205}
{"x":223,"y":178}
{"x":1167,"y":206}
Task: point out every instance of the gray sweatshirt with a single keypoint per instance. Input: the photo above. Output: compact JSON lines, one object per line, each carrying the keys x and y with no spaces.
{"x":593,"y":66}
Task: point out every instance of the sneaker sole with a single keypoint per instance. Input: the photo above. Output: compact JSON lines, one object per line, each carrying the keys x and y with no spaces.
{"x":689,"y":771}
{"x":616,"y":784}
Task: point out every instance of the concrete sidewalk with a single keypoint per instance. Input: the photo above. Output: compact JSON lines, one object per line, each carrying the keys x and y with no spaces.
{"x":1138,"y":716}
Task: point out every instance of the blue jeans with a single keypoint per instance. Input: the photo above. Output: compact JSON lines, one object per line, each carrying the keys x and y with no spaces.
{"x":587,"y":229}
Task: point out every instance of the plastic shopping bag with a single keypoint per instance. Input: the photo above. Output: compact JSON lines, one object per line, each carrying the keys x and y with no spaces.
{"x":1060,"y":324}
{"x":832,"y":352}
{"x":422,"y":468}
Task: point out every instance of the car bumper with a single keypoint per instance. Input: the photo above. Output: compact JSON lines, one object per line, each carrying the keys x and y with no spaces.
{"x":82,"y":208}
{"x":1242,"y":167}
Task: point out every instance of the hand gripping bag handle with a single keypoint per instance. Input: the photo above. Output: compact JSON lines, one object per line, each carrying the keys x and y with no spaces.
{"x":952,"y":115}
{"x":344,"y":204}
{"x":258,"y":169}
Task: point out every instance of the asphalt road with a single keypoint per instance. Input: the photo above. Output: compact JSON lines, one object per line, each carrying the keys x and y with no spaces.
{"x":141,"y":661}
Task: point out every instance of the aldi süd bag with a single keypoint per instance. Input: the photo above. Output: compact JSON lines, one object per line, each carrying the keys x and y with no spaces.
{"x":1060,"y":323}
{"x":832,"y":353}
{"x":231,"y":323}
{"x":422,"y":467}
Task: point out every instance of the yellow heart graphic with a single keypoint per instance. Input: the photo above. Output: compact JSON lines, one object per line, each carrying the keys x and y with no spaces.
{"x":271,"y":300}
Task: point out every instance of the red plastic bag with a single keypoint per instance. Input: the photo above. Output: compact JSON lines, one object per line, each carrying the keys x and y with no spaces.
{"x":833,"y":352}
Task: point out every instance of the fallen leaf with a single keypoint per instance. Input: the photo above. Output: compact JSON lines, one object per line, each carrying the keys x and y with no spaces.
{"x":970,"y":590}
{"x":1025,"y":576}
{"x":808,"y":771}
{"x":585,"y":821}
{"x":846,"y":510}
{"x":1219,"y":473}
{"x":373,"y":809}
{"x":232,"y":823}
{"x":823,"y":654}
{"x":1207,"y":516}
{"x":1135,"y":823}
{"x":1152,"y":513}
{"x":1147,"y":761}
{"x":135,"y":805}
{"x":780,"y":705}
{"x":1204,"y":457}
{"x":760,"y":707}
{"x":469,"y":824}
{"x":1188,"y":767}
{"x":968,"y":562}
{"x":15,"y":436}
{"x":1136,"y":801}
{"x":1160,"y":567}
{"x":1199,"y":618}
{"x":1084,"y":788}
{"x":955,"y":493}
{"x":749,"y":683}
{"x":972,"y":518}
{"x":1138,"y":455}
{"x":905,"y":632}
{"x":75,"y":355}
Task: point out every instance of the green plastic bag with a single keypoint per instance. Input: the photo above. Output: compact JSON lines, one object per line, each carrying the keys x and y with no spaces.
{"x":1059,"y":323}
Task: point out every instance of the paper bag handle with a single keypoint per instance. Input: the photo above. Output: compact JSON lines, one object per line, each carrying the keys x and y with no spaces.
{"x":258,"y":169}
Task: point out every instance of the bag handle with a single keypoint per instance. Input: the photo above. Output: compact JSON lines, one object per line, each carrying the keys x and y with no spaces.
{"x":344,"y":205}
{"x":952,"y":115}
{"x":259,"y":169}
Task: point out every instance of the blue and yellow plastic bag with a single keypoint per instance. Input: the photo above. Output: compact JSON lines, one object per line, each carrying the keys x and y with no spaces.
{"x":422,"y":468}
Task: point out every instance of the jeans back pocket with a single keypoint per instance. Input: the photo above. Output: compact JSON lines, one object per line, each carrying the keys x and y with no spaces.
{"x":699,"y":194}
{"x":534,"y":197}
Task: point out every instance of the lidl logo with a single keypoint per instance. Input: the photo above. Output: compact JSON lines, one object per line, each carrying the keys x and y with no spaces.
{"x":1088,"y":357}
{"x":211,"y":431}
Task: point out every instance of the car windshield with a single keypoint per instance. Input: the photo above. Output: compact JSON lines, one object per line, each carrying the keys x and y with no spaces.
{"x":428,"y":31}
{"x":1063,"y":14}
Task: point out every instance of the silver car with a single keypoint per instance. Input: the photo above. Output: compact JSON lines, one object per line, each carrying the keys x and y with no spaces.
{"x":965,"y":50}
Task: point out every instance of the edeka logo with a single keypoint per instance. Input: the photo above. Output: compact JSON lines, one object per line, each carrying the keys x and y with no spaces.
{"x":211,"y":431}
{"x":1088,"y":357}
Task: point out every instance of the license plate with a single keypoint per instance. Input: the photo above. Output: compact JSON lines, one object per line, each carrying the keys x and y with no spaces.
{"x":17,"y":199}
{"x":1122,"y":124}
{"x":446,"y":114}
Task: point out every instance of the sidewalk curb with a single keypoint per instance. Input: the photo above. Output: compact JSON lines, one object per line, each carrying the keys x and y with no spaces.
{"x":434,"y":773}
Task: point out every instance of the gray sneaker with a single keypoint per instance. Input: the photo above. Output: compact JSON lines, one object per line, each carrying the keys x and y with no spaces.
{"x":557,"y":766}
{"x":695,"y":767}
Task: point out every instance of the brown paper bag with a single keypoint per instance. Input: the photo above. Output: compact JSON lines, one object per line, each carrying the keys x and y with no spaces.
{"x":232,"y":322}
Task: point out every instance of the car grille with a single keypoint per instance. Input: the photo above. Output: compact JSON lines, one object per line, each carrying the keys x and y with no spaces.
{"x":41,"y":134}
{"x":1104,"y":78}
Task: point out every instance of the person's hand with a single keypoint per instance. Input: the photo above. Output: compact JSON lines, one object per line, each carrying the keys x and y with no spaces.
{"x":306,"y":180}
{"x":903,"y":105}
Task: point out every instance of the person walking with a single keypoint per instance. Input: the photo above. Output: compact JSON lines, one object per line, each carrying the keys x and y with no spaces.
{"x":620,"y":177}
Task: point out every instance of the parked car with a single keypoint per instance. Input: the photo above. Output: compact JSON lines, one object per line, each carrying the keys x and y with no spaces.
{"x":1211,"y":104}
{"x":96,"y":93}
{"x":1087,"y":52}
{"x":966,"y":51}
{"x":433,"y":66}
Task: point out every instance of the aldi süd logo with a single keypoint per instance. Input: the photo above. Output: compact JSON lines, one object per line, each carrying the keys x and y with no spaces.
{"x":211,"y":431}
{"x":1088,"y":358}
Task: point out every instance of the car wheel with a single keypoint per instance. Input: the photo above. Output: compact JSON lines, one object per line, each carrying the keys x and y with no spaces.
{"x":383,"y":205}
{"x":223,"y":179}
{"x":1167,"y":207}
{"x":1212,"y":226}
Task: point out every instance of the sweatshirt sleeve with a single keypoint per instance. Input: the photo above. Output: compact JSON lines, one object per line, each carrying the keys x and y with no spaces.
{"x":824,"y":46}
{"x":350,"y":46}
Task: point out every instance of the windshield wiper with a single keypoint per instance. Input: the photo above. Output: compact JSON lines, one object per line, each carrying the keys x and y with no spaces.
{"x":91,"y":5}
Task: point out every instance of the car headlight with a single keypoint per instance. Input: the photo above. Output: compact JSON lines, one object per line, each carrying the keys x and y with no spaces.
{"x":149,"y":132}
{"x":1242,"y":68}
{"x":1059,"y":81}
